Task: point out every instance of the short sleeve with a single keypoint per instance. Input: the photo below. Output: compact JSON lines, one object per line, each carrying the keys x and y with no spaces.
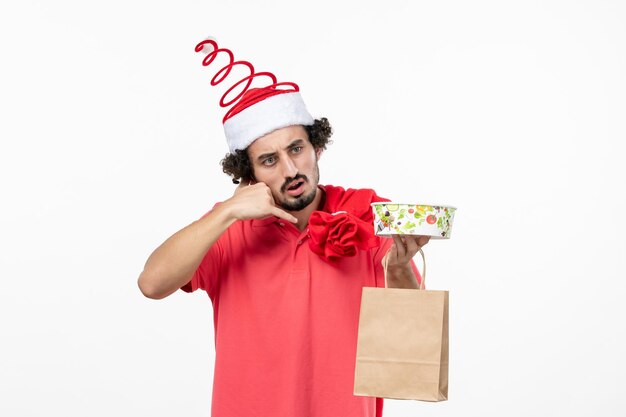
{"x":208,"y":271}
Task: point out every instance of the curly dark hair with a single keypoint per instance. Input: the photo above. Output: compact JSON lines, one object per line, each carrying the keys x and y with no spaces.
{"x":238,"y":165}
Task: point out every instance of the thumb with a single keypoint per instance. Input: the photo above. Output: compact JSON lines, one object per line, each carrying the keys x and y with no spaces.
{"x":242,"y":184}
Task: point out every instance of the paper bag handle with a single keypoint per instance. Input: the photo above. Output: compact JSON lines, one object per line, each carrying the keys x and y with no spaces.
{"x":423,"y":272}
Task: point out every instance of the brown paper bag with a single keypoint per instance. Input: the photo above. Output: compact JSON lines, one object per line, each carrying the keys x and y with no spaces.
{"x":402,"y":349}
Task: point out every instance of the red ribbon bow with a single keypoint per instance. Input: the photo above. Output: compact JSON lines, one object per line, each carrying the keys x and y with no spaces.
{"x":346,"y":225}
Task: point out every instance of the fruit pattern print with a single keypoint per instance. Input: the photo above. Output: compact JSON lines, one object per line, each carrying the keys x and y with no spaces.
{"x":405,"y":218}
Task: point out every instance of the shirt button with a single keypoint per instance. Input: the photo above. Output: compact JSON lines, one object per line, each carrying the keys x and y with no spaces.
{"x":299,"y":242}
{"x":281,"y":224}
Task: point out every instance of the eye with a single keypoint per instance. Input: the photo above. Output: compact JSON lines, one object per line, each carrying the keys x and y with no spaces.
{"x":269,"y":161}
{"x":296,"y":149}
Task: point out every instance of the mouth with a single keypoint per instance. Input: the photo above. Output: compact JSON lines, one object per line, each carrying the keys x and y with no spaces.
{"x":295,"y":188}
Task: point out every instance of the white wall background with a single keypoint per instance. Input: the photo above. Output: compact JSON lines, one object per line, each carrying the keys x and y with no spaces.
{"x":110,"y":142}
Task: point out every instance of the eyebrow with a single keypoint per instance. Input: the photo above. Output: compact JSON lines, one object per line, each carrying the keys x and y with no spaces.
{"x":297,"y":142}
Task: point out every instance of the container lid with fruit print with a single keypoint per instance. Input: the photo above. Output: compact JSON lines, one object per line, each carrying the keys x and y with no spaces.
{"x":392,"y":218}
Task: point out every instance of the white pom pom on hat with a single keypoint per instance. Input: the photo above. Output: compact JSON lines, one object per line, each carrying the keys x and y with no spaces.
{"x":208,"y":48}
{"x":256,"y":111}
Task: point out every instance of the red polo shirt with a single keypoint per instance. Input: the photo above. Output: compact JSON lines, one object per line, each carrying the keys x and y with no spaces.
{"x":285,"y":323}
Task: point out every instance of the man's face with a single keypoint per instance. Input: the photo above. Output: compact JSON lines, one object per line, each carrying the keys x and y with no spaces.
{"x":286,"y":162}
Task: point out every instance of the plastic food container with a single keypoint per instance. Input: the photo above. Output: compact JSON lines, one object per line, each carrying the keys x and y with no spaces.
{"x":413,"y":219}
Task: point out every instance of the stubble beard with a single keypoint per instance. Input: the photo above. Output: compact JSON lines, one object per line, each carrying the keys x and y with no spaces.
{"x":301,"y":202}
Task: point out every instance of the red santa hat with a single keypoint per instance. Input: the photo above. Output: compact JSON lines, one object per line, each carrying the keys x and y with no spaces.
{"x":256,"y":111}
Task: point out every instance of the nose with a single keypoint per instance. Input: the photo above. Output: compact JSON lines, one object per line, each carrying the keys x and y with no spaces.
{"x":289,"y":168}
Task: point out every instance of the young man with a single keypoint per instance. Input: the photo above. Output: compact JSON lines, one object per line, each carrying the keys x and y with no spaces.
{"x":283,"y":262}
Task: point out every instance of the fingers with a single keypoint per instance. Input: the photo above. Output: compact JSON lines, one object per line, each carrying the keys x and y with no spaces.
{"x":242,"y":184}
{"x":254,"y":200}
{"x":284,"y":215}
{"x":412,"y":245}
{"x":415,"y":243}
{"x":275,"y":210}
{"x":248,"y":184}
{"x":423,"y":240}
{"x":399,"y":246}
{"x":405,"y":247}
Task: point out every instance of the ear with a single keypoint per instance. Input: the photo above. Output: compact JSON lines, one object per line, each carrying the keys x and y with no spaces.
{"x":318,"y":153}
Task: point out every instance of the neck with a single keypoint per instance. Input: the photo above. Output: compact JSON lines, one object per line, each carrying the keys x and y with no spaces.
{"x":304,"y":214}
